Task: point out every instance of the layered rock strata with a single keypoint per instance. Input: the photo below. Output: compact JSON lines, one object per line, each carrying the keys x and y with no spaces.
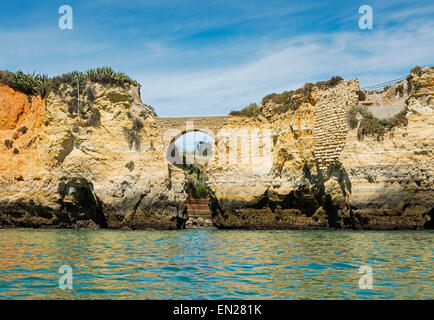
{"x":105,"y":163}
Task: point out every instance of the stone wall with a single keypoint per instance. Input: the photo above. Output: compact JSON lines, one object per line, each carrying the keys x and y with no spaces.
{"x":331,"y":125}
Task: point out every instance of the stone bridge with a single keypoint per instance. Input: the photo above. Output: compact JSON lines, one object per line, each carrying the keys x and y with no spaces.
{"x":171,"y":128}
{"x":234,"y":137}
{"x":313,"y":131}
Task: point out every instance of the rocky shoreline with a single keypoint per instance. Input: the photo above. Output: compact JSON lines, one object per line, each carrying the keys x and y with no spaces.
{"x":105,"y":165}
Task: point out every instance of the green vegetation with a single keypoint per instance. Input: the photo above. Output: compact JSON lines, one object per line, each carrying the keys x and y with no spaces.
{"x":251,"y":110}
{"x":416,"y":70}
{"x":372,"y":126}
{"x":400,"y":89}
{"x":152,"y":110}
{"x":195,"y":176}
{"x":130,"y":165}
{"x":27,"y":83}
{"x":33,"y":84}
{"x":334,"y":81}
{"x":105,"y":76}
{"x":196,"y":181}
{"x":132,"y":135}
{"x":288,"y":100}
{"x":8,"y":143}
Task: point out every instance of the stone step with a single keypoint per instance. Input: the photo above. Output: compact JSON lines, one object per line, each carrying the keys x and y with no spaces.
{"x":198,"y":207}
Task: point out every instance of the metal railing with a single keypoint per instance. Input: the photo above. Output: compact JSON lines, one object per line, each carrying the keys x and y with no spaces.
{"x":381,"y":86}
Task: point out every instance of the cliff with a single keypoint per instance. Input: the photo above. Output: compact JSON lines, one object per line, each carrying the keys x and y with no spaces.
{"x":88,"y":167}
{"x":103,"y":161}
{"x":329,"y":173}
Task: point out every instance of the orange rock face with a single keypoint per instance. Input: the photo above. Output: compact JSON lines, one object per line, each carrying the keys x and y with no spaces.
{"x":20,"y":119}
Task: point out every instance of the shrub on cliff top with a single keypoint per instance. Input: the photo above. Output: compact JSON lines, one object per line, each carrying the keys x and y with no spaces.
{"x":416,"y":70}
{"x":33,"y":84}
{"x":372,"y":126}
{"x":334,"y":81}
{"x":27,"y":83}
{"x":290,"y":100}
{"x":251,"y":110}
{"x":107,"y":76}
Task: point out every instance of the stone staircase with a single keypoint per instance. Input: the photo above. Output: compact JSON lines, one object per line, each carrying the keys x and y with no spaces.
{"x":198,"y":207}
{"x":199,"y":213}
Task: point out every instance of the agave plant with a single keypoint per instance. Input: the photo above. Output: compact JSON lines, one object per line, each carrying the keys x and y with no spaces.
{"x":27,"y":83}
{"x":32,"y":84}
{"x":108,"y":76}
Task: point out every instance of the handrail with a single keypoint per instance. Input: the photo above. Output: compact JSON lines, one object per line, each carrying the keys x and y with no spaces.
{"x":381,"y":86}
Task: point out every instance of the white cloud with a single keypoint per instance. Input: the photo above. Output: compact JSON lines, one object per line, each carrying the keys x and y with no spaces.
{"x":185,"y":78}
{"x":372,"y":56}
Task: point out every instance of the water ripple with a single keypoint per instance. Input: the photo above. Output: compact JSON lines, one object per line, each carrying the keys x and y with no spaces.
{"x":215,"y":264}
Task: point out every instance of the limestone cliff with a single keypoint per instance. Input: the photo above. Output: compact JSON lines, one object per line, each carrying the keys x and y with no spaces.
{"x":102,"y":161}
{"x":90,"y":166}
{"x":324,"y":176}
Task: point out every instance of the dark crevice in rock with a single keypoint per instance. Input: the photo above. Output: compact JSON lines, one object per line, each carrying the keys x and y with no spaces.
{"x":214,"y":204}
{"x":79,"y":202}
{"x":137,"y":204}
{"x":263,"y":202}
{"x":332,"y":212}
{"x":181,"y":220}
{"x":430,"y":223}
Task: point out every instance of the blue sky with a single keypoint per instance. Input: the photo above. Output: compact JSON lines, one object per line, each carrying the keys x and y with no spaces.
{"x":210,"y":57}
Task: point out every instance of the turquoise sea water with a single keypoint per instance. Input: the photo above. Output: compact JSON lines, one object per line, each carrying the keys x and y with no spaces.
{"x":216,"y":264}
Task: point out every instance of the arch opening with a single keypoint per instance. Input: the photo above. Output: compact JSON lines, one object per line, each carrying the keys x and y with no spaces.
{"x":190,"y":148}
{"x":191,"y":151}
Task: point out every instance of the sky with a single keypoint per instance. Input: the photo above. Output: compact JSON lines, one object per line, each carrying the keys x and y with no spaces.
{"x":211,"y":57}
{"x":189,"y":141}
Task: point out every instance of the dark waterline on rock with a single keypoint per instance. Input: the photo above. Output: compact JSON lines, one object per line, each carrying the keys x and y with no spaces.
{"x":216,"y":264}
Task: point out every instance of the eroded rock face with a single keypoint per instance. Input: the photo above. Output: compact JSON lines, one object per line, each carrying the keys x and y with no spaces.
{"x":324,"y":177}
{"x":104,"y":165}
{"x":393,"y":180}
{"x":306,"y":186}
